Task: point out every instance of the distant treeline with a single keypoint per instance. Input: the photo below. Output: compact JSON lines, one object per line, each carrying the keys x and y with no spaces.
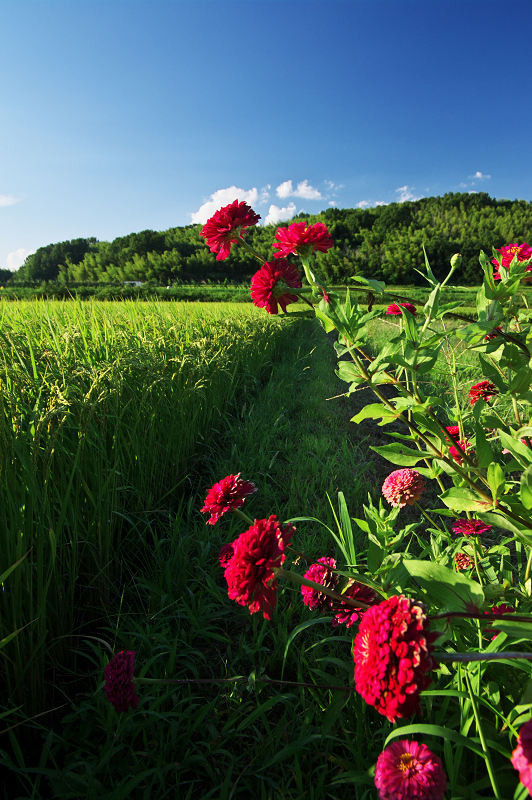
{"x":385,"y":242}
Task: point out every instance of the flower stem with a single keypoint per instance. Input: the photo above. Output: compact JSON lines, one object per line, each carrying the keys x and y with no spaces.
{"x":243,"y":516}
{"x":299,"y":579}
{"x":434,"y":524}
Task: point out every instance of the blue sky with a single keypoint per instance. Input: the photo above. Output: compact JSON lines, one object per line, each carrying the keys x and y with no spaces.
{"x":118,"y":115}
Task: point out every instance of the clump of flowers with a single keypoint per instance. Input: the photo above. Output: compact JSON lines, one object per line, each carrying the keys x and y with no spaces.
{"x":508,"y":253}
{"x":403,"y":487}
{"x":225,"y":555}
{"x":226,"y":226}
{"x":395,"y":309}
{"x":454,"y":432}
{"x":493,"y":335}
{"x":119,"y":687}
{"x":226,"y":495}
{"x":348,"y":615}
{"x":250,"y":579}
{"x":393,"y":656}
{"x":272,"y":283}
{"x":408,"y":770}
{"x":301,"y":239}
{"x":462,"y":561}
{"x":455,"y":453}
{"x":499,"y":610}
{"x":484,"y":390}
{"x":470,"y":527}
{"x":321,"y":573}
{"x":522,"y":756}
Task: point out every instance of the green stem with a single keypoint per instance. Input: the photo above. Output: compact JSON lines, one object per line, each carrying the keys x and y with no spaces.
{"x":243,"y":516}
{"x":485,"y":747}
{"x":434,"y":524}
{"x":528,"y":566}
{"x":466,"y":658}
{"x":253,"y":252}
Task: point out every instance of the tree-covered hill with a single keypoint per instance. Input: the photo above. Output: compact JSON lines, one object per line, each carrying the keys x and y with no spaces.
{"x":384,"y":242}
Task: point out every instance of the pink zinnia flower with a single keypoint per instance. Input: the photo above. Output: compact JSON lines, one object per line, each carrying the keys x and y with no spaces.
{"x":119,"y":686}
{"x":257,"y":552}
{"x":225,"y":227}
{"x":393,"y":654}
{"x":455,"y":453}
{"x":409,"y":771}
{"x":272,"y":284}
{"x":470,"y":527}
{"x":522,"y":755}
{"x":493,"y":335}
{"x":226,"y":495}
{"x":463,"y":561}
{"x":499,"y":610}
{"x":395,"y":309}
{"x":322,"y":574}
{"x":347,"y":615}
{"x":302,"y":240}
{"x":522,"y":251}
{"x":483,"y":390}
{"x":403,"y":487}
{"x":225,"y":555}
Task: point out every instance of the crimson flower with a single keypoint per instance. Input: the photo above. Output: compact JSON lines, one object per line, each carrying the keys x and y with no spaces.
{"x":453,"y":431}
{"x":348,"y":615}
{"x":508,"y":253}
{"x":319,"y":573}
{"x":409,"y":770}
{"x":225,"y":227}
{"x":455,"y":453}
{"x":522,"y":755}
{"x":463,"y":561}
{"x":396,"y":309}
{"x":225,"y":555}
{"x":226,"y":495}
{"x":499,"y":610}
{"x":119,"y":686}
{"x":484,"y":390}
{"x":493,"y":335}
{"x":470,"y":527}
{"x":302,"y":240}
{"x":403,"y":487}
{"x":257,"y":552}
{"x":393,"y":654}
{"x":272,"y":284}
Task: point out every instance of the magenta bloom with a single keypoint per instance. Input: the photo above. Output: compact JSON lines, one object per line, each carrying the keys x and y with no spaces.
{"x":348,"y":615}
{"x":301,"y":239}
{"x":226,"y":495}
{"x":493,"y":335}
{"x":455,"y":453}
{"x":470,"y":527}
{"x":396,"y":309}
{"x":483,"y":390}
{"x":522,"y":755}
{"x":119,"y":686}
{"x":249,"y":575}
{"x":508,"y":253}
{"x":226,"y":554}
{"x":393,"y":654}
{"x":272,"y":284}
{"x":403,"y":487}
{"x":226,"y":226}
{"x":454,"y":432}
{"x":499,"y":610}
{"x":322,"y":574}
{"x":409,"y":771}
{"x":463,"y":561}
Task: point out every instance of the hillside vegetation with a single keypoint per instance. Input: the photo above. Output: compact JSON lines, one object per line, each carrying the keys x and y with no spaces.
{"x":384,"y":242}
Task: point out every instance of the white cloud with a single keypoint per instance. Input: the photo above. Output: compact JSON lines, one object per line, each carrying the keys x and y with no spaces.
{"x":405,"y":193}
{"x":303,"y":189}
{"x":223,"y":197}
{"x":333,"y":203}
{"x":363,"y":204}
{"x":479,"y":176}
{"x":264,"y":195}
{"x":16,"y":258}
{"x":276,"y":214}
{"x":8,"y":200}
{"x":381,"y":203}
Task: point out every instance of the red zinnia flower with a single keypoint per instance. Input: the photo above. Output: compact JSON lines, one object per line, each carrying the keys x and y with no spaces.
{"x":347,"y":614}
{"x":272,"y":284}
{"x":226,"y":495}
{"x":403,"y":487}
{"x":249,"y":575}
{"x":393,"y":654}
{"x":493,"y":335}
{"x":225,"y":555}
{"x":470,"y":527}
{"x":522,"y":251}
{"x":483,"y":390}
{"x":499,"y":610}
{"x":455,"y":453}
{"x":408,"y":770}
{"x":226,"y":226}
{"x":302,"y":240}
{"x":463,"y":561}
{"x":395,"y":309}
{"x":453,"y":431}
{"x":119,"y":686}
{"x":522,"y":755}
{"x":319,"y":573}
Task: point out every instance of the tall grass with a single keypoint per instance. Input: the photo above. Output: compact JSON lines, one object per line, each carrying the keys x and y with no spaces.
{"x":102,"y":405}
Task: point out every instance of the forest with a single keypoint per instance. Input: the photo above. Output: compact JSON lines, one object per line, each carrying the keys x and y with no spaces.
{"x":385,"y":242}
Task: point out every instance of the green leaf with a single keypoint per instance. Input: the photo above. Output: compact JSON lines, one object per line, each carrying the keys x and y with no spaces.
{"x":419,"y":729}
{"x":521,"y":380}
{"x":460,"y":499}
{"x":518,"y":449}
{"x":482,"y":447}
{"x":376,"y":411}
{"x":444,"y":586}
{"x":399,"y":454}
{"x":526,"y":487}
{"x":377,"y":286}
{"x":349,"y":372}
{"x":496,"y":479}
{"x":493,"y":374}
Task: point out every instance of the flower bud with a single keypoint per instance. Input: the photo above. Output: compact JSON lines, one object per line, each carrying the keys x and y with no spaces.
{"x":456,"y":260}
